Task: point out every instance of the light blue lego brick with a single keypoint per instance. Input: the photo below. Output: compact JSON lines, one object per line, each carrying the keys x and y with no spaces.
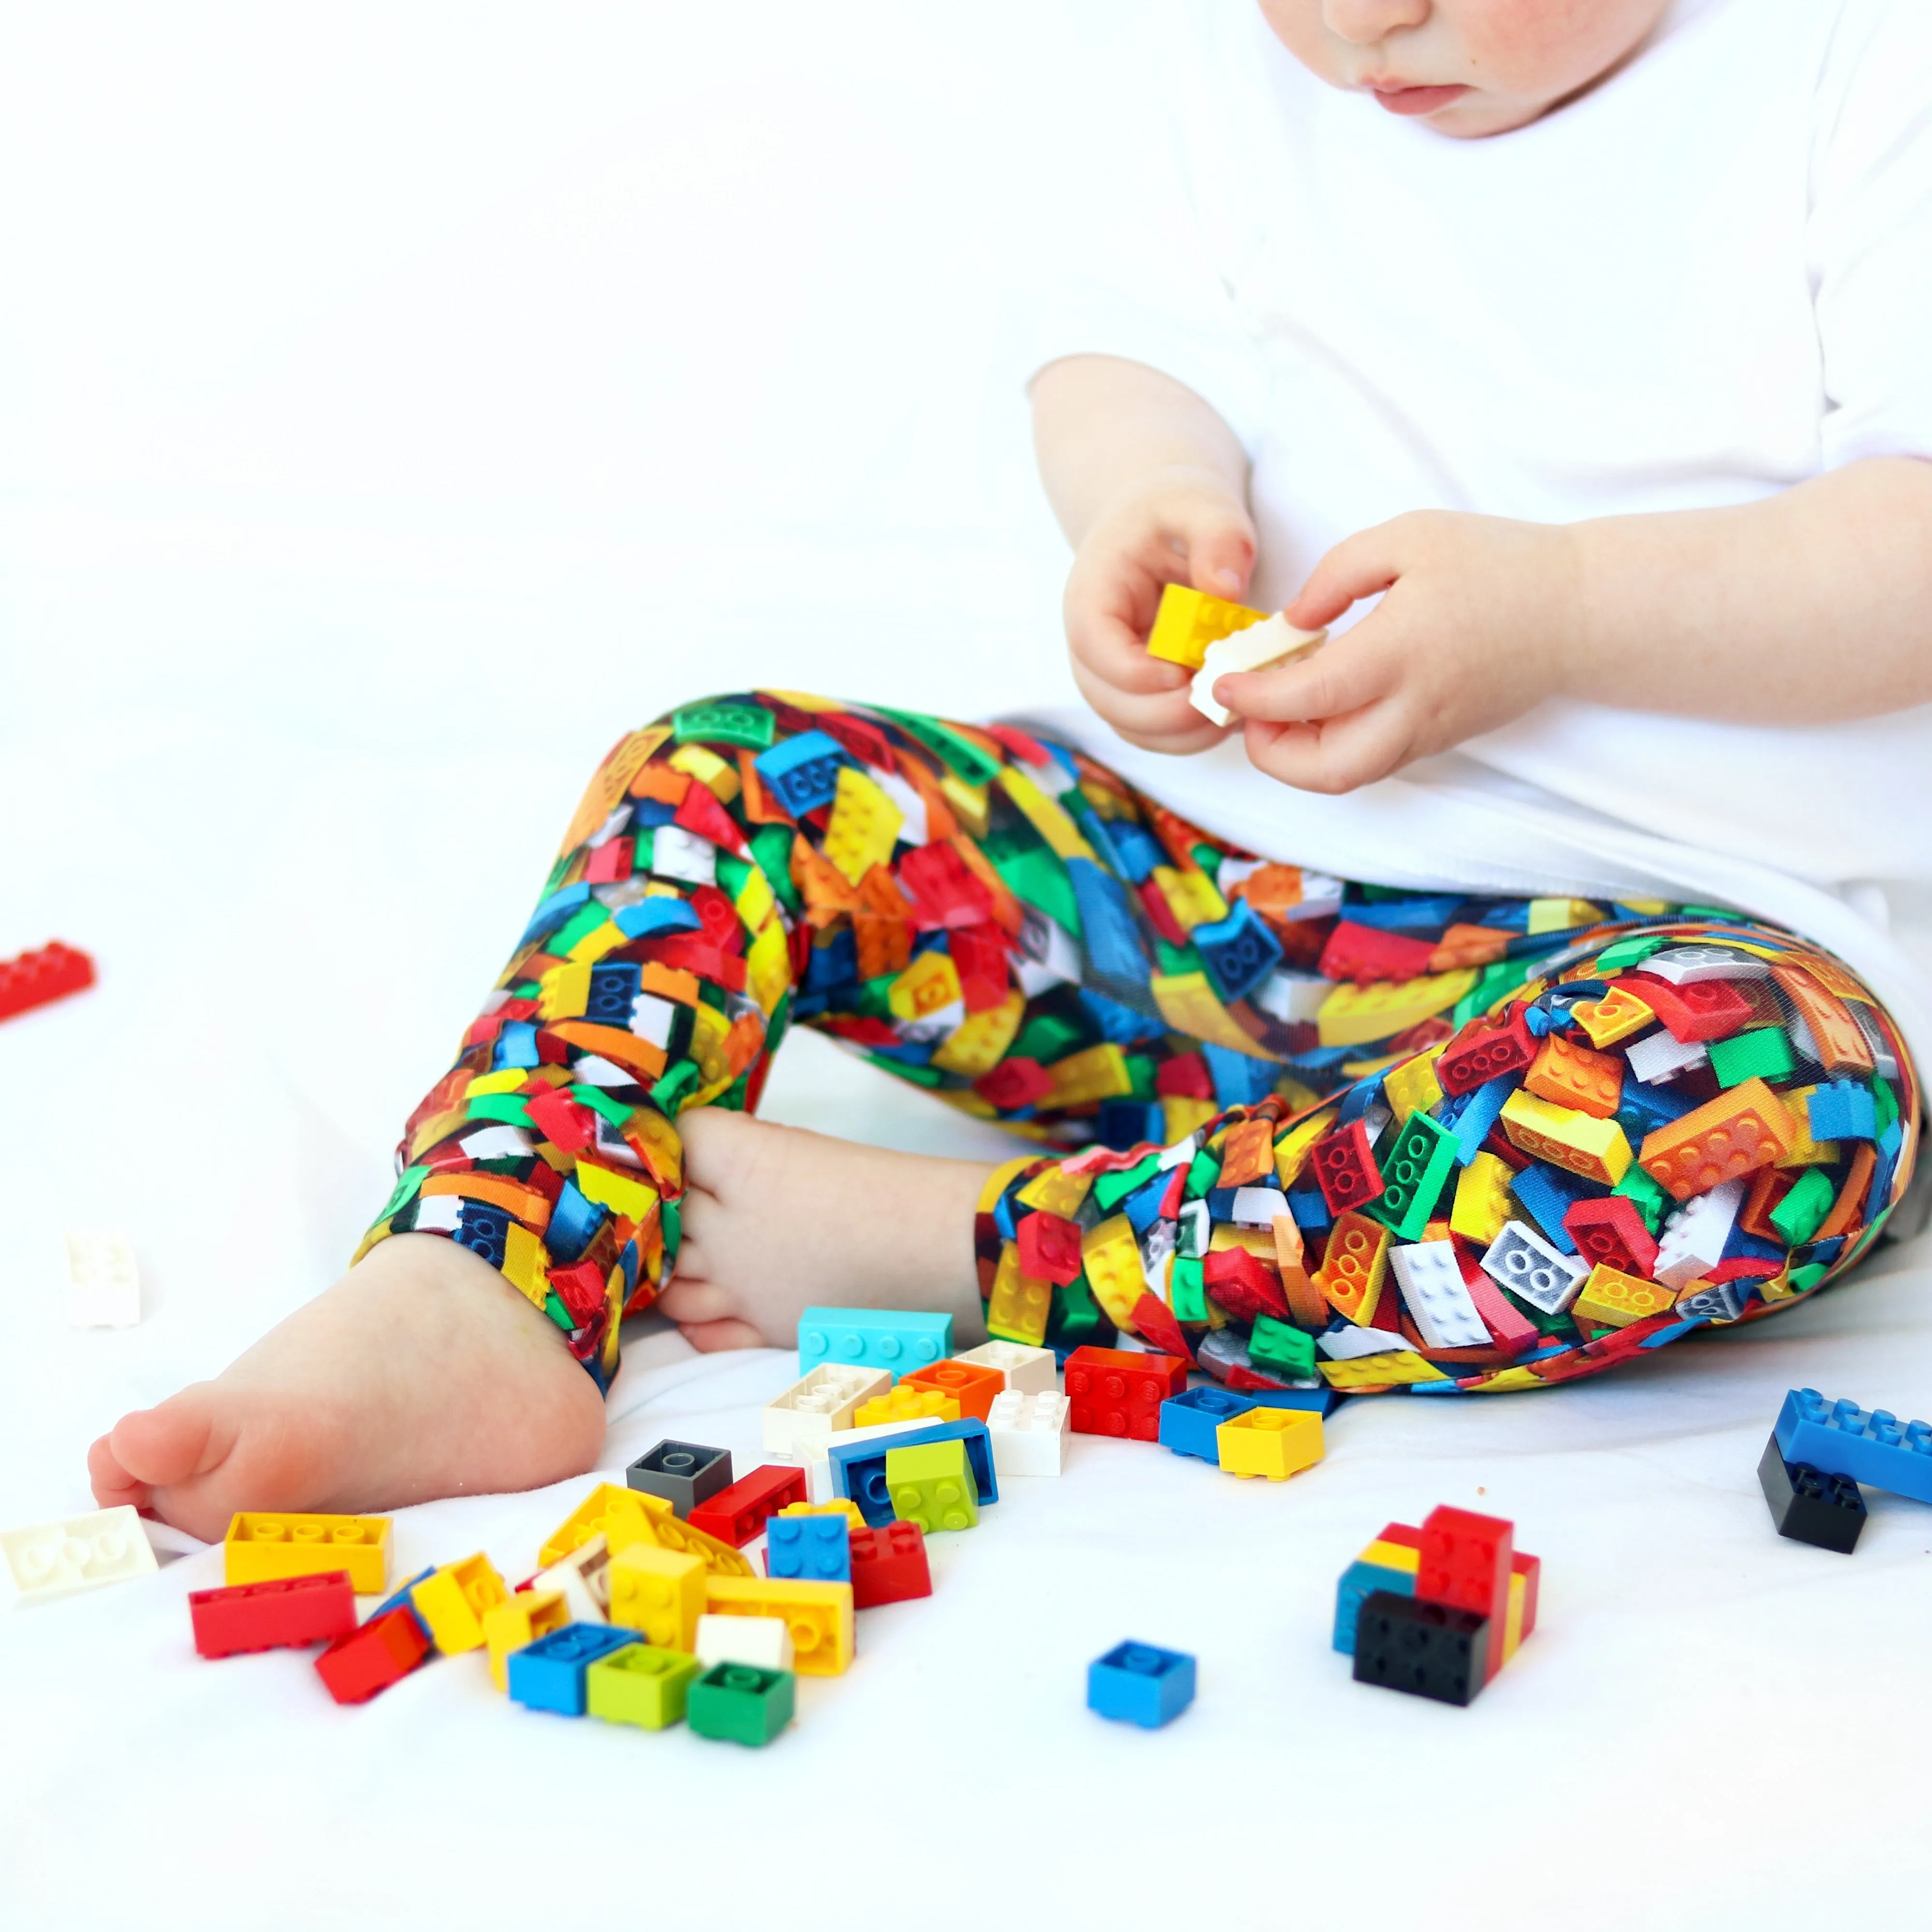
{"x":1113,"y":940}
{"x":1842,"y":1439}
{"x":1188,"y":1420}
{"x":859,"y":1469}
{"x":891,"y":1339}
{"x":1842,"y":1110}
{"x":1360,"y":1581}
{"x":815,"y":1548}
{"x":1141,"y":1684}
{"x":554,"y":910}
{"x":1240,"y":1079}
{"x":548,"y":1674}
{"x":651,"y":919}
{"x":1481,"y":1109}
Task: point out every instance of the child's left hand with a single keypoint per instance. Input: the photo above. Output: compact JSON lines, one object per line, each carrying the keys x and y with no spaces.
{"x":1477,"y":625}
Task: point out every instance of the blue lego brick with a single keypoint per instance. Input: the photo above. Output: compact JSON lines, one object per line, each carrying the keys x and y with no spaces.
{"x":1889,"y":1142}
{"x":1004,"y":1219}
{"x":613,"y":991}
{"x":1141,"y":1684}
{"x":1547,"y":1198}
{"x":1113,"y":939}
{"x":1188,"y":1420}
{"x":1359,"y":1581}
{"x":401,"y":1601}
{"x":574,"y":1221}
{"x":1844,"y":1110}
{"x":834,"y":964}
{"x":1420,"y":914}
{"x":1126,"y":1124}
{"x":653,"y":918}
{"x":1142,"y":1207}
{"x":516,"y":1046}
{"x":1537,"y":1021}
{"x":1309,"y":1207}
{"x":1643,"y":1109}
{"x":803,"y":773}
{"x":1841,"y":1439}
{"x":1358,"y":1099}
{"x":1120,"y":1024}
{"x":548,"y":1674}
{"x":648,"y":814}
{"x":1240,"y":952}
{"x":1240,"y":1079}
{"x":859,"y":1469}
{"x":872,"y":1338}
{"x":1138,"y":850}
{"x":1670,"y":1334}
{"x":553,"y":912}
{"x":1480,"y":1110}
{"x":484,"y":1230}
{"x":1319,"y":1398}
{"x":816,"y":1548}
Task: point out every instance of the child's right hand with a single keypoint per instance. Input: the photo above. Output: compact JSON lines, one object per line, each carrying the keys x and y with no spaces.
{"x":1173,"y":526}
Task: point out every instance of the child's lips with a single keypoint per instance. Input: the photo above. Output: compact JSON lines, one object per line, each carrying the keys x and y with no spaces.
{"x":1417,"y":100}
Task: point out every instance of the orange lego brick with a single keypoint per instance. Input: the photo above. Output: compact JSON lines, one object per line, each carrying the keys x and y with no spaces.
{"x":1577,"y":1076}
{"x":1842,"y":1047}
{"x":1247,"y":1155}
{"x":1353,"y":1267}
{"x":1850,"y":1203}
{"x":1616,"y":1299}
{"x":971,"y":1388}
{"x":1736,"y":1134}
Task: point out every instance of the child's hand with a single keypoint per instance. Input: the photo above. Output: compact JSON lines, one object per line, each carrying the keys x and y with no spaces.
{"x":1176,"y":526}
{"x":1476,"y":626}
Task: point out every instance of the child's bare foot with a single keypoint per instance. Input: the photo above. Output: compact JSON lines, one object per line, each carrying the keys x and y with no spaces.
{"x":777,"y":1219}
{"x":421,"y":1373}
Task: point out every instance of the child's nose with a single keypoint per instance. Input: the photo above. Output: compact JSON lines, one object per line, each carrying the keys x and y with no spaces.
{"x":1363,"y":21}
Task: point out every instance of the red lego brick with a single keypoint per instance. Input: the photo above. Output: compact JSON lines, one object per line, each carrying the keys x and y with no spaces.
{"x":943,"y":888}
{"x":1245,"y":1286}
{"x":1611,"y":1231}
{"x":1013,"y":1084}
{"x":704,"y":957}
{"x":566,"y":1123}
{"x":737,"y":1514}
{"x":1118,"y":1392}
{"x":700,"y":812}
{"x":1049,"y":1247}
{"x":979,"y":957}
{"x":1364,"y":953}
{"x":37,"y":979}
{"x":1160,"y":914}
{"x":889,"y":1565}
{"x":1705,"y":1010}
{"x":866,"y":742}
{"x":383,"y":1651}
{"x":1465,"y":1564}
{"x":580,"y":1288}
{"x":1345,"y":1167}
{"x":969,"y":1384}
{"x":1486,"y":1054}
{"x":1185,"y":1077}
{"x":283,"y":1616}
{"x":718,"y":918}
{"x":1154,"y":1323}
{"x":610,"y":864}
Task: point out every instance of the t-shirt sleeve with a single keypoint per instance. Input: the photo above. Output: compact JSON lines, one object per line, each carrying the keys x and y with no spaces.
{"x":1134,"y":271}
{"x":1870,"y":231}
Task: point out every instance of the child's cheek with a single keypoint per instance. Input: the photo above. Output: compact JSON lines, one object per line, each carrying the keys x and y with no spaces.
{"x":1544,"y":49}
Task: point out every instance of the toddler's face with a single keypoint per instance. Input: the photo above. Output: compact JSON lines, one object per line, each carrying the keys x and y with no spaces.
{"x":1466,"y":67}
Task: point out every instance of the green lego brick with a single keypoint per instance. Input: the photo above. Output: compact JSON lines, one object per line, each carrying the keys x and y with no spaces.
{"x":1141,"y":1074}
{"x":1035,"y":875}
{"x":1799,"y":1216}
{"x":967,"y":759}
{"x":739,"y":1703}
{"x":1110,"y":1189}
{"x":1415,"y":1173}
{"x":1187,"y":1287}
{"x":641,"y":1685}
{"x":874,"y":999}
{"x":1805,"y":1279}
{"x":1046,"y":1037}
{"x":903,"y":1069}
{"x":1623,"y":953}
{"x":554,"y":1308}
{"x":510,"y":1108}
{"x":1884,"y":1106}
{"x":616,"y":1111}
{"x":681,"y":1080}
{"x":932,"y":1485}
{"x":1074,"y":1319}
{"x":670,"y":1219}
{"x":1275,"y":1346}
{"x":1644,"y":1193}
{"x":585,"y":920}
{"x":1175,"y":960}
{"x":751,"y":725}
{"x":771,"y":846}
{"x":1207,"y":859}
{"x":1763,"y":1053}
{"x":407,"y":1183}
{"x":1203,"y":1171}
{"x":732,"y":872}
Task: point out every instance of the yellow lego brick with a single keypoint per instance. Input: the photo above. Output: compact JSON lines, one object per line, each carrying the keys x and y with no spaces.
{"x":818,"y":1615}
{"x":768,"y":967}
{"x":1018,"y":1309}
{"x":718,"y":1558}
{"x":1393,"y":1555}
{"x":1398,"y":1368}
{"x":520,"y":1618}
{"x":608,"y":1505}
{"x":1188,"y":621}
{"x":630,"y":1197}
{"x":1179,"y":1115}
{"x":1047,"y":816}
{"x":265,"y":1545}
{"x":508,"y":1081}
{"x":968,"y":803}
{"x":1192,"y":897}
{"x":855,"y":1517}
{"x":1595,"y":1148}
{"x":1002,"y":1177}
{"x":1056,"y":1191}
{"x":1779,"y":1288}
{"x":1564,"y":915}
{"x":1112,"y":1260}
{"x":1095,"y":1073}
{"x":905,"y":1405}
{"x":594,"y":944}
{"x":755,"y":902}
{"x":1805,"y":1152}
{"x":1276,"y":1443}
{"x":1482,"y":1199}
{"x":454,"y":1601}
{"x":1353,"y":1267}
{"x":864,"y":826}
{"x":1259,"y":1242}
{"x":1610,"y":1296}
{"x":660,"y":1594}
{"x":1511,"y":1378}
{"x":1617,"y":1015}
{"x":710,"y":770}
{"x":1290,"y":1151}
{"x":978,"y":1043}
{"x":803,"y":700}
{"x":1519,"y":1595}
{"x":525,"y":1259}
{"x":1351,"y":1016}
{"x":1412,"y":1086}
{"x":1190,"y":1006}
{"x":929,"y":983}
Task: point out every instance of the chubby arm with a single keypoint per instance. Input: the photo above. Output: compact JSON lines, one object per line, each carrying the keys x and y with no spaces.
{"x":1150,"y":487}
{"x":1811,"y":606}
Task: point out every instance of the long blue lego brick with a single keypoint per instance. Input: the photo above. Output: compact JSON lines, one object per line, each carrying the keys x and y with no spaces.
{"x":891,"y":1339}
{"x":859,"y":1469}
{"x":1842,"y":1439}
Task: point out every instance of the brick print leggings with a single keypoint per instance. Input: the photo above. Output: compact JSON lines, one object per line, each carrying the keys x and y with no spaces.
{"x":1288,"y":1126}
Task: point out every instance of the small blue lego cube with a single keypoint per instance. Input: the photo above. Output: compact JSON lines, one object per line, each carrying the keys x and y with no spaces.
{"x":1188,"y":1420}
{"x":1240,"y":952}
{"x":1140,"y":1683}
{"x":816,"y":1548}
{"x":803,"y":773}
{"x":1360,"y":1581}
{"x":548,"y":1674}
{"x":1844,"y":1110}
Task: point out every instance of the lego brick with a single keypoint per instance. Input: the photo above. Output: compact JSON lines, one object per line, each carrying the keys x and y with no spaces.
{"x":1276,"y":1443}
{"x":1030,"y":1370}
{"x":764,"y":1642}
{"x":1839,"y":1438}
{"x":1427,"y":1649}
{"x":619,"y":1515}
{"x":1430,"y":1279}
{"x":889,"y":1565}
{"x":1745,"y":1129}
{"x":548,"y":1674}
{"x":1799,"y":1215}
{"x":356,"y":1667}
{"x":819,"y":1547}
{"x":289,"y":1614}
{"x":1596,"y":1149}
{"x":1613,"y":1018}
{"x":971,"y":1387}
{"x":1473,"y":1059}
{"x":1466,"y":1565}
{"x":76,"y":1553}
{"x":931,"y":1485}
{"x":819,"y":1615}
{"x":1414,"y":1176}
{"x":1842,"y":1110}
{"x":1275,"y":1348}
{"x":1526,"y":1586}
{"x":822,"y":1402}
{"x":103,"y":1286}
{"x":1570,"y":1076}
{"x":858,"y":1470}
{"x":1612,"y":1232}
{"x":1361,"y":1581}
{"x":37,"y":979}
{"x":1613,"y":1299}
{"x":1116,"y":1392}
{"x":660,"y":1594}
{"x":901,"y":1404}
{"x":453,"y":1601}
{"x":1482,"y":1205}
{"x":1353,"y":1265}
{"x":1521,"y":1261}
{"x":639,"y":1685}
{"x":1701,"y":1010}
{"x":1141,"y":1684}
{"x":262,"y":1545}
{"x":1695,"y":1237}
{"x":1188,"y":1421}
{"x":1839,"y":1045}
{"x":520,"y":1618}
{"x":684,"y":1473}
{"x":583,"y":1579}
{"x":1659,"y":1058}
{"x":872,"y":1338}
{"x":1345,"y":1168}
{"x":1392,"y":1368}
{"x":1809,"y":1505}
{"x":1761,"y":1053}
{"x":1187,"y":621}
{"x":843,"y":1507}
{"x":1029,"y":1432}
{"x":739,"y":1703}
{"x":736,"y":1514}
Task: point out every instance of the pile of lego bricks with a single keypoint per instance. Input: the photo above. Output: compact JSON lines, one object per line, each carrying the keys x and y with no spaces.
{"x":1695,"y":1125}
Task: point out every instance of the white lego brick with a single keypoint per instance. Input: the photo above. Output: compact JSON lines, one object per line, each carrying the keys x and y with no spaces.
{"x":1436,"y":1297}
{"x":685,"y":856}
{"x":1047,"y":956}
{"x":104,"y":1285}
{"x":611,"y":827}
{"x":1195,"y":1229}
{"x":911,"y":806}
{"x":1029,"y":1433}
{"x":1181,"y":1153}
{"x":1259,"y":647}
{"x":500,"y":1141}
{"x":1321,"y":894}
{"x":623,"y":892}
{"x":1346,"y":1345}
{"x":1287,"y":995}
{"x":78,"y":1552}
{"x":1031,"y":1371}
{"x":594,"y":1070}
{"x":765,"y":1641}
{"x":584,"y":1578}
{"x":1257,"y":1207}
{"x":438,"y":1213}
{"x":1885,"y":1062}
{"x":652,"y":1017}
{"x":1722,"y":1301}
{"x":1156,"y":1247}
{"x":1657,"y":1057}
{"x":1523,"y":1262}
{"x":824,"y":1400}
{"x":1688,"y":965}
{"x":1693,"y":1240}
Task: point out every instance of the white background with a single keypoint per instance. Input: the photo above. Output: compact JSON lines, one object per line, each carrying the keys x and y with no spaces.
{"x":396,"y":404}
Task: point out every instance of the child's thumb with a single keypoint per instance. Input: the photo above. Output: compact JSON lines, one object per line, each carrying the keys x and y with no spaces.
{"x":1220,"y":557}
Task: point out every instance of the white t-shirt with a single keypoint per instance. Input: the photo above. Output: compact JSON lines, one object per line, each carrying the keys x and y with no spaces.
{"x":1706,"y":280}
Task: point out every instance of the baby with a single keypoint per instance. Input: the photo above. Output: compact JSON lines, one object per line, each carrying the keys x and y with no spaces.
{"x":1583,"y":341}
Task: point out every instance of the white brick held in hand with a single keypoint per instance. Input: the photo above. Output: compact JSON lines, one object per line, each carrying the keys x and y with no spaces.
{"x":1259,"y":647}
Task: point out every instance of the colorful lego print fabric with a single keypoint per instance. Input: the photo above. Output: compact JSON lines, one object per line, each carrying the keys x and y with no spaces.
{"x":1321,"y":1130}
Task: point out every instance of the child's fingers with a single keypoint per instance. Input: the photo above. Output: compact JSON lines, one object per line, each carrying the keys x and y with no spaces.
{"x":1109,"y":646}
{"x":1332,"y":754}
{"x":688,"y":1301}
{"x":1220,"y":552}
{"x":1341,"y":677}
{"x":709,"y":1338}
{"x":1357,"y":567}
{"x":1156,"y":723}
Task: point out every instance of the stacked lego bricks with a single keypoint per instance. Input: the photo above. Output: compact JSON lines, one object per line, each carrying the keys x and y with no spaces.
{"x":1820,"y":1452}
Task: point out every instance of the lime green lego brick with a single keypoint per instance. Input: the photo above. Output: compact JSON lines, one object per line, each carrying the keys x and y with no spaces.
{"x":751,"y":725}
{"x":771,"y":846}
{"x":1763,"y":1053}
{"x":1644,"y":1194}
{"x":408,"y":1182}
{"x":933,"y":1485}
{"x":1414,"y":1175}
{"x":1203,"y":1171}
{"x":739,"y":1703}
{"x":1799,"y":1216}
{"x":641,"y":1685}
{"x":681,"y":1080}
{"x":1288,"y":1352}
{"x":1035,"y":875}
{"x":510,"y":1108}
{"x":966,"y":761}
{"x":1621,"y":953}
{"x":585,"y":920}
{"x":1110,"y":1189}
{"x":1805,"y":1279}
{"x":1187,"y":1289}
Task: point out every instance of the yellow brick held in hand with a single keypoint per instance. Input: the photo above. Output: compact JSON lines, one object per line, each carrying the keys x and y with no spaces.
{"x":1187,"y":621}
{"x":1276,"y":1443}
